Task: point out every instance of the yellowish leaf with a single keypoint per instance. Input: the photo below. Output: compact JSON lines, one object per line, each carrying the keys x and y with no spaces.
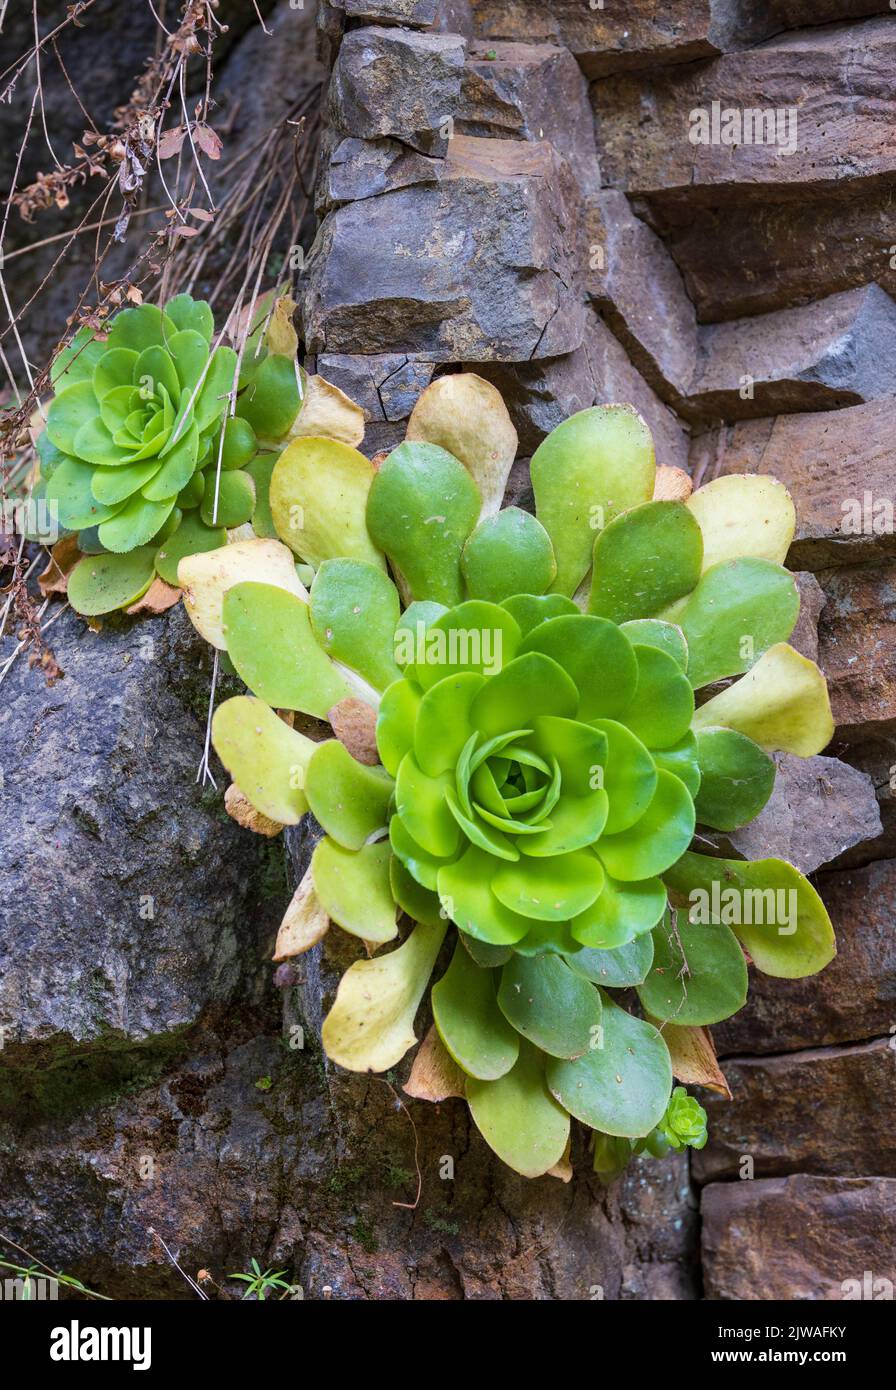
{"x":466,"y":415}
{"x":304,"y":923}
{"x":205,"y":579}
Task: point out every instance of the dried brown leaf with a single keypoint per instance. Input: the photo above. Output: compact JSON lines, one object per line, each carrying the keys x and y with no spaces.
{"x":563,"y":1169}
{"x":671,"y":484}
{"x":435,"y":1075}
{"x":240,"y":809}
{"x":158,"y":598}
{"x":171,"y":142}
{"x":693,"y":1056}
{"x":207,"y":140}
{"x":354,"y":724}
{"x":304,"y":922}
{"x":63,"y":558}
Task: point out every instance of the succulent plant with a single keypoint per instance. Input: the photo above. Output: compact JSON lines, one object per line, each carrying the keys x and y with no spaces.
{"x":540,"y":761}
{"x":140,"y":455}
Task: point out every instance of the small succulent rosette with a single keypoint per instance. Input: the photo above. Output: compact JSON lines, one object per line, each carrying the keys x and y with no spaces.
{"x":143,"y":457}
{"x":520,"y":760}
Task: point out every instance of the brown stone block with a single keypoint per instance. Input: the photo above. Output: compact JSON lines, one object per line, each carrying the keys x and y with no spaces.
{"x":838,"y":466}
{"x":828,"y":91}
{"x":480,"y":266}
{"x":829,"y":1110}
{"x":799,"y":1238}
{"x":857,"y":648}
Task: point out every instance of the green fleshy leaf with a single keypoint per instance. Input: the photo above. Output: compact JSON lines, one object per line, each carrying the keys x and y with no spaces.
{"x":616,"y":969}
{"x":739,"y":609}
{"x":553,"y":937}
{"x":69,"y":413}
{"x":792,"y":937}
{"x":350,"y":800}
{"x":420,"y":864}
{"x":318,"y":497}
{"x":410,"y":631}
{"x":423,"y":505}
{"x":77,"y":361}
{"x":155,"y":369}
{"x":354,"y":609}
{"x":191,"y":495}
{"x":421,"y":804}
{"x":192,"y":537}
{"x":550,"y":890}
{"x":598,"y":658}
{"x":699,"y":975}
{"x":629,"y":776}
{"x":139,"y":328}
{"x":240,"y":444}
{"x":530,"y":685}
{"x":510,"y":553}
{"x":371,"y":1025}
{"x":644,"y":560}
{"x":114,"y":369}
{"x":103,"y":583}
{"x":552,"y":1006}
{"x":418,"y":902}
{"x":576,"y":821}
{"x":737,"y":778}
{"x":782,"y":704}
{"x":443,"y":724}
{"x":270,"y":642}
{"x":261,"y":470}
{"x":469,"y":1022}
{"x":590,"y":468}
{"x":581,"y":751}
{"x":486,"y":956}
{"x":265,"y":757}
{"x":652,"y":632}
{"x":529,"y":610}
{"x":467,"y":898}
{"x":236,"y":500}
{"x":271,"y":401}
{"x":518,"y":1118}
{"x":112,"y":486}
{"x":622,"y":1087}
{"x":395,"y":722}
{"x":137,"y":522}
{"x":185,"y":312}
{"x":743,"y":515}
{"x":663,"y":705}
{"x":188,"y":351}
{"x":177,"y":468}
{"x":622,"y":913}
{"x":354,"y":888}
{"x":681,"y":761}
{"x":213,"y":398}
{"x":474,"y":636}
{"x":657,"y":840}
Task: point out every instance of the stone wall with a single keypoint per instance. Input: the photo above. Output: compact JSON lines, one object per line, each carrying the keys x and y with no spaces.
{"x":509,"y":187}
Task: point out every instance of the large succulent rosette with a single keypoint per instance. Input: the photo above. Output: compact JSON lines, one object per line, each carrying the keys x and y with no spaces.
{"x":540,"y":762}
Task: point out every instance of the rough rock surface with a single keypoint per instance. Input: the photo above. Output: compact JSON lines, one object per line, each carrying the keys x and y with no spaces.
{"x":837,"y":466}
{"x":828,"y":91}
{"x":479,"y":267}
{"x":798,"y":1238}
{"x":819,"y":809}
{"x":784,"y":253}
{"x":398,"y":83}
{"x":640,"y":292}
{"x":542,"y":393}
{"x":129,"y":904}
{"x":823,"y":356}
{"x":826,"y":1110}
{"x":857,"y":648}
